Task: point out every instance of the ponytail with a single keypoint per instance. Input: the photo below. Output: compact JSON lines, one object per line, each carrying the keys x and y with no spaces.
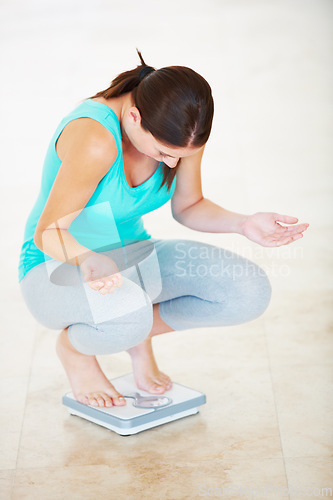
{"x":127,"y":81}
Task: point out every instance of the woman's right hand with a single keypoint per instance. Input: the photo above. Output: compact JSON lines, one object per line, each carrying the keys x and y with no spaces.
{"x":101,"y":273}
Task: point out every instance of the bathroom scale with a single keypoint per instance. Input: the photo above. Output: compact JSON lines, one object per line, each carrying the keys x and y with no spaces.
{"x":142,"y":411}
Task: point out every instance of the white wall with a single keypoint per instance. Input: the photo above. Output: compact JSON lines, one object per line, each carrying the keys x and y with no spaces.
{"x":269,"y":63}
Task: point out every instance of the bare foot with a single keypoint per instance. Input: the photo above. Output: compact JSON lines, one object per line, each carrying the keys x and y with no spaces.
{"x":146,"y":373}
{"x":89,"y":384}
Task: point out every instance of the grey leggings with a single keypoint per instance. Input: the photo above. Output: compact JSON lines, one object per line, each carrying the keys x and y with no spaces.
{"x":195,"y":284}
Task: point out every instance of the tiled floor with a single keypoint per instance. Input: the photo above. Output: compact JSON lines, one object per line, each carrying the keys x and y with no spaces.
{"x":266,"y":430}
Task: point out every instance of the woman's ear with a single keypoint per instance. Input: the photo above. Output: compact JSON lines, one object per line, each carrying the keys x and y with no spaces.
{"x":134,"y":116}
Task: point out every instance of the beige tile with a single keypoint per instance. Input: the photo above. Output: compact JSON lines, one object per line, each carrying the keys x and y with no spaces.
{"x":6,"y":481}
{"x":240,"y":410}
{"x":299,"y":327}
{"x":309,"y":477}
{"x":45,"y":361}
{"x":16,"y":348}
{"x":150,"y":477}
{"x":115,"y":365}
{"x":75,"y":483}
{"x":249,"y":478}
{"x":221,"y":346}
{"x":17,"y":341}
{"x":304,"y":406}
{"x":13,"y":392}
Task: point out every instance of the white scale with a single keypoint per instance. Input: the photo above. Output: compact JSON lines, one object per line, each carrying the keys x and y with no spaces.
{"x":142,"y":411}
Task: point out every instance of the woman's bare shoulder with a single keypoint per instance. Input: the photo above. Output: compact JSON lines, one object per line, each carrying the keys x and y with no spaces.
{"x":88,"y":133}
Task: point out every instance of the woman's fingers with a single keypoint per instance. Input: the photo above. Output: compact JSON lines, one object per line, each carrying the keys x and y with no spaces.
{"x":287,"y":219}
{"x":293,"y":229}
{"x":107,"y":288}
{"x":298,"y":229}
{"x":107,"y":285}
{"x":118,"y":277}
{"x":283,"y":238}
{"x":289,"y":239}
{"x":96,"y":285}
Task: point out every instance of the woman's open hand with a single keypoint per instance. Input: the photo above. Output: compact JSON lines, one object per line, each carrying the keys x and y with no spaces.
{"x":101,"y":273}
{"x":264,"y":228}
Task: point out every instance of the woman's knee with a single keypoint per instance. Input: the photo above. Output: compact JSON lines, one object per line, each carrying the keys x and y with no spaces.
{"x":138,"y":326}
{"x":244,"y":286}
{"x":255,"y":294}
{"x":243,"y":295}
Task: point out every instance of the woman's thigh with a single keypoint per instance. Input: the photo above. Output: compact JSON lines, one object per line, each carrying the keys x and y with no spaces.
{"x":190,"y":267}
{"x":206,"y":285}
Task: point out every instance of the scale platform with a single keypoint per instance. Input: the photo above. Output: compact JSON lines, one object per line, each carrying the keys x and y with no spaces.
{"x":129,"y":419}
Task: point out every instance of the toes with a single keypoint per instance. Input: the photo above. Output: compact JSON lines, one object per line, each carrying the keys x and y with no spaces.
{"x":83,"y":399}
{"x":92,"y":401}
{"x":108,"y":401}
{"x":95,"y":399}
{"x":165,"y":380}
{"x":101,"y":399}
{"x":157,"y":384}
{"x":119,"y":401}
{"x":116,"y":397}
{"x":157,"y":389}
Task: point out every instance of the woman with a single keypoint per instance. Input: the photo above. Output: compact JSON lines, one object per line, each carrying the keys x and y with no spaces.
{"x":87,"y":264}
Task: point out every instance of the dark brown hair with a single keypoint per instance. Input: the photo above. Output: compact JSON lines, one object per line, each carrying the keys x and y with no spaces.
{"x":175,"y":103}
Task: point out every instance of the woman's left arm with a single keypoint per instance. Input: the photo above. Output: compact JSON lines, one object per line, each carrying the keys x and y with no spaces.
{"x":192,"y":210}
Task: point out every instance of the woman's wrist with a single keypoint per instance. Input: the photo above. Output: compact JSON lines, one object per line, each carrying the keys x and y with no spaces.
{"x":79,"y":259}
{"x":240,"y":223}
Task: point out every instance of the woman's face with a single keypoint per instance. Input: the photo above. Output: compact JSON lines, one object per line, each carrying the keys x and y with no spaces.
{"x":146,"y":143}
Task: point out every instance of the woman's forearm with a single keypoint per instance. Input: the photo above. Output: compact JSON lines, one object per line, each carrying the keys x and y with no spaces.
{"x":208,"y":217}
{"x":62,"y":246}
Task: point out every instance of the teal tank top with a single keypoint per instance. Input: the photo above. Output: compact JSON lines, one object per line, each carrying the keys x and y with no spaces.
{"x":113,"y":215}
